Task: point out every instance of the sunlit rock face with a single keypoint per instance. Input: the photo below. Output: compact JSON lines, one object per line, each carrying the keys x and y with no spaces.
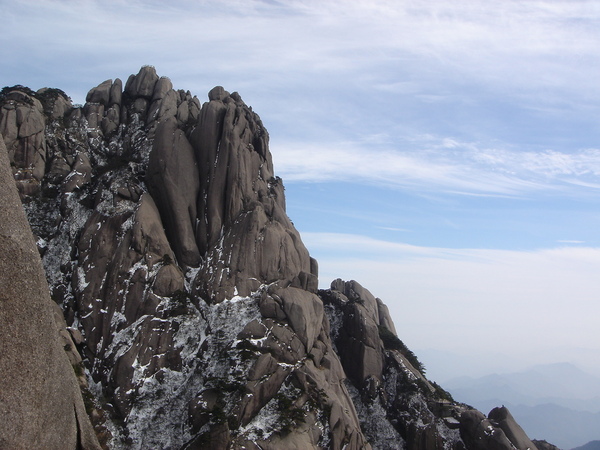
{"x":166,"y":243}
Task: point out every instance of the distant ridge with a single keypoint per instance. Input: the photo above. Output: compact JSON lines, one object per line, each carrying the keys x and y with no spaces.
{"x":554,"y":401}
{"x":592,"y":445}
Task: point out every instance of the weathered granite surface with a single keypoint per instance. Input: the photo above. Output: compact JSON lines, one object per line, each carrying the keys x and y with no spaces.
{"x":190,"y":298}
{"x":40,"y":401}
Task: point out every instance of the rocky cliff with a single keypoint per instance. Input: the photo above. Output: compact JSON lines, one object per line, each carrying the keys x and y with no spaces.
{"x":40,"y":399}
{"x":189,"y":294}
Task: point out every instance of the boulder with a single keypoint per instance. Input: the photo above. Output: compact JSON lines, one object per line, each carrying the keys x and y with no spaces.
{"x":8,"y":123}
{"x":168,"y":281}
{"x":264,"y":381}
{"x":162,"y":86}
{"x":22,"y":124}
{"x":304,"y":312}
{"x":81,"y":174}
{"x":385,"y":319}
{"x":94,"y":113}
{"x":502,"y":417}
{"x":116,"y":92}
{"x":57,"y":104}
{"x":479,"y":433}
{"x":31,"y":120}
{"x":167,"y":106}
{"x":100,"y":94}
{"x":110,"y":122}
{"x":358,"y":340}
{"x":142,"y":84}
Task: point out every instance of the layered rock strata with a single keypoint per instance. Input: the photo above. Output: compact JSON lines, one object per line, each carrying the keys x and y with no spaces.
{"x":166,"y":243}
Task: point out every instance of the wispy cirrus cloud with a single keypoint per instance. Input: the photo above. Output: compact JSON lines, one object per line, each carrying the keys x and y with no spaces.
{"x":535,"y":49}
{"x":430,"y":164}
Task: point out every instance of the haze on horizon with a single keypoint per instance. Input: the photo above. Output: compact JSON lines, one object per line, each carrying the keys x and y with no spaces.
{"x":446,"y":155}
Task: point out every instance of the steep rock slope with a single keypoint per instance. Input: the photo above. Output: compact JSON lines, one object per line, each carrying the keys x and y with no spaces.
{"x":40,"y":400}
{"x":166,"y":242}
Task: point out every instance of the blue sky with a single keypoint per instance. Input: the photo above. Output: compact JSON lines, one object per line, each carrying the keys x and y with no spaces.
{"x":445,"y":154}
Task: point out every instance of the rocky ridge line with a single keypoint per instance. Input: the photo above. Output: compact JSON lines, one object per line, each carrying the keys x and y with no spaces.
{"x":165,"y":240}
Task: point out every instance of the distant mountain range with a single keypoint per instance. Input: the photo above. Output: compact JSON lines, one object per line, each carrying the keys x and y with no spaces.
{"x":593,"y":445}
{"x":556,"y":402}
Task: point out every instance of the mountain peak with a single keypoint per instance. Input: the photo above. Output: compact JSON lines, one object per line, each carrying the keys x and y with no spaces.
{"x":194,"y":302}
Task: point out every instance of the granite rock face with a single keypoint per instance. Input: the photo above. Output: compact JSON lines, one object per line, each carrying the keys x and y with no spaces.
{"x":189,"y":295}
{"x":40,"y":400}
{"x":513,"y":431}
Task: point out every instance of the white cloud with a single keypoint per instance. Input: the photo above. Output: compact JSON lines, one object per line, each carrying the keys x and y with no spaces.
{"x":518,"y":48}
{"x":536,"y":305}
{"x":445,"y":164}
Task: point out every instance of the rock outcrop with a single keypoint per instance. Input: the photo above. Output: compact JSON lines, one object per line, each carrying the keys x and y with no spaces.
{"x":513,"y":431}
{"x":194,"y":303}
{"x":40,"y":400}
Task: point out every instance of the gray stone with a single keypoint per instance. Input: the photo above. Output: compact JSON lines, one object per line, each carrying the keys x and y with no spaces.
{"x":270,"y":308}
{"x":506,"y":422}
{"x":304,"y":312}
{"x":183,"y":113}
{"x":172,"y":179}
{"x":159,"y":206}
{"x":264,"y":381}
{"x":116,"y":92}
{"x":148,"y":235}
{"x":80,"y":174}
{"x":384,"y":316}
{"x":217,"y":93}
{"x":140,"y":105}
{"x":30,"y":119}
{"x":8,"y":124}
{"x":40,"y":401}
{"x":111,"y":121}
{"x":100,"y":94}
{"x":168,"y":105}
{"x":94,"y":112}
{"x":200,"y":407}
{"x":357,"y":293}
{"x":544,"y":445}
{"x":360,"y":347}
{"x":253,"y":330}
{"x":112,"y":284}
{"x":479,"y":433}
{"x":142,"y":84}
{"x":58,"y":104}
{"x":162,"y":86}
{"x":22,"y":124}
{"x":169,"y":280}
